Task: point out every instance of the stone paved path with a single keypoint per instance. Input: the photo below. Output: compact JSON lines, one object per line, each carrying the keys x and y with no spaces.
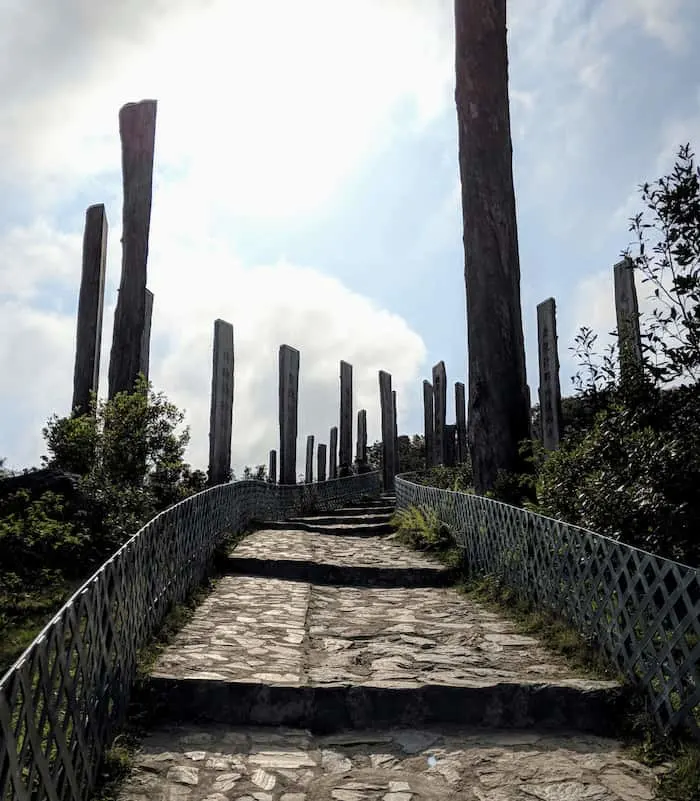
{"x":411,"y":690}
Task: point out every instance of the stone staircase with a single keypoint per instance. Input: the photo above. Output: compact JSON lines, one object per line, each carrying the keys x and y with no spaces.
{"x":331,"y":662}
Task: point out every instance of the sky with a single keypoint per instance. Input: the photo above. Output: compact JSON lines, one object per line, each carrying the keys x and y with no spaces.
{"x":306,"y":189}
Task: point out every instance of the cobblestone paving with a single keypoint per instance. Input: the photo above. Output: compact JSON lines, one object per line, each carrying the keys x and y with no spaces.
{"x":288,"y":632}
{"x":218,"y":764}
{"x":408,"y":637}
{"x":332,"y":549}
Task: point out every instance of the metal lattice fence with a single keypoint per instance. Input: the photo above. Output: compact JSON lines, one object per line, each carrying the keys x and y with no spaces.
{"x":642,"y":610}
{"x":61,"y":703}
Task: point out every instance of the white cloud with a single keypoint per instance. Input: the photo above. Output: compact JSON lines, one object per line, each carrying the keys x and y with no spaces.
{"x":265,"y":107}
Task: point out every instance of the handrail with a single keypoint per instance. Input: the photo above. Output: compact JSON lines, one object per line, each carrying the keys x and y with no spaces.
{"x":642,"y":610}
{"x":65,"y":697}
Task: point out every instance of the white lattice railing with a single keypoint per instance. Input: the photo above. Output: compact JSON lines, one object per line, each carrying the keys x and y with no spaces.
{"x":642,"y":610}
{"x":62,"y":701}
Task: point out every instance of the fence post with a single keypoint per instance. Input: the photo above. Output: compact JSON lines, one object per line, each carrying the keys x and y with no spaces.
{"x":272,"y":469}
{"x":440,"y":404}
{"x":428,"y":423}
{"x":288,"y":403}
{"x":550,"y":391}
{"x":388,"y":444}
{"x":345,"y":456}
{"x":321,"y":460}
{"x":627,"y":310}
{"x":461,"y":416}
{"x":333,"y":455}
{"x":221,"y":410}
{"x":86,"y":375}
{"x":137,"y":129}
{"x":309,"y":476}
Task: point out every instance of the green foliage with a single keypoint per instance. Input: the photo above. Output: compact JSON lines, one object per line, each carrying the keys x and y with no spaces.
{"x":668,"y":257}
{"x":128,"y":454}
{"x":257,"y":473}
{"x":455,"y":479}
{"x":422,"y":529}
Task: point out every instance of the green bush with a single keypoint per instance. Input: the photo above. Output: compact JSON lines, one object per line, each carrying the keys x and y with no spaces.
{"x":422,"y":529}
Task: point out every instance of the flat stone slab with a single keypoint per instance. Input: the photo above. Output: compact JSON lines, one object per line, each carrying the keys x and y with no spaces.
{"x":248,"y":629}
{"x":218,"y":764}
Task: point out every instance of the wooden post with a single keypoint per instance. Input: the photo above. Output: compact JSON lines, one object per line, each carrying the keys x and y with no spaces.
{"x":272,"y":469}
{"x":498,"y":413}
{"x":361,"y":457}
{"x":345,"y":457}
{"x":549,"y":392}
{"x":387,"y":409}
{"x":396,"y":434}
{"x":145,"y":359}
{"x":309,"y":477}
{"x":461,"y":415}
{"x":221,"y":413}
{"x":88,"y":340}
{"x":321,"y":459}
{"x":137,"y":128}
{"x":440,"y":404}
{"x":428,"y":424}
{"x":288,"y":407}
{"x":450,"y":445}
{"x":333,"y":455}
{"x":627,"y":310}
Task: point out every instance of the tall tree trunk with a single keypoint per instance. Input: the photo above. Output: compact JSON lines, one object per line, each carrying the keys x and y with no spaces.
{"x":498,"y":410}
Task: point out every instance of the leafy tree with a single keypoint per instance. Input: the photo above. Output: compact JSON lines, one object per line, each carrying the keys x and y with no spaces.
{"x":258,"y":473}
{"x":668,"y":257}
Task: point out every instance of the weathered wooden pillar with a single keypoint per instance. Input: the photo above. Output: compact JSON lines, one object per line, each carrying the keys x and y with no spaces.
{"x":388,"y":444}
{"x":272,"y":468}
{"x":440,"y":404}
{"x":549,"y":392}
{"x":333,"y":455}
{"x":288,"y":401}
{"x":146,"y":338}
{"x":309,"y":477}
{"x":221,"y":410}
{"x":428,"y":423}
{"x":361,"y":456}
{"x":137,"y":128}
{"x":450,"y":445}
{"x":88,"y":340}
{"x":627,"y":310}
{"x":396,"y":434}
{"x":461,"y":416}
{"x":321,"y":460}
{"x":345,"y":454}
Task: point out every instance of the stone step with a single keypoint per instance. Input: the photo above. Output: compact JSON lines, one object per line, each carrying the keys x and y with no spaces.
{"x":345,"y":529}
{"x":334,"y":559}
{"x":566,"y":705}
{"x":340,"y":519}
{"x":355,"y":511}
{"x":409,"y":764}
{"x":262,"y":650}
{"x":338,"y":575}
